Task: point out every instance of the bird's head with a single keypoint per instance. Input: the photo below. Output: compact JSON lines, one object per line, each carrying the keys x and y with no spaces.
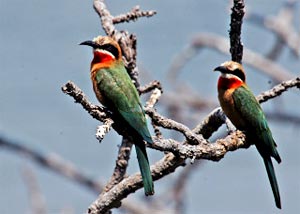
{"x":232,"y":74}
{"x":231,"y":69}
{"x":105,"y":49}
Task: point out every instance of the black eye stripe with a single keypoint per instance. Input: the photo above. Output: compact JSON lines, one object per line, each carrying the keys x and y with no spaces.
{"x":112,"y":49}
{"x":237,"y":72}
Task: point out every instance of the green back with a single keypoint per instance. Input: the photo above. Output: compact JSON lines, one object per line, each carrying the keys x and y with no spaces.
{"x":252,"y":114}
{"x":120,"y":94}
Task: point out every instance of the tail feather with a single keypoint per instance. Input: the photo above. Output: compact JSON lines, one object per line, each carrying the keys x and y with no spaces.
{"x":273,"y":181}
{"x":144,"y":168}
{"x":276,"y":155}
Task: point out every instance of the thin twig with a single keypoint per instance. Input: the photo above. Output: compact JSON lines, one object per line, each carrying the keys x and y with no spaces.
{"x":171,"y":124}
{"x":279,"y":89}
{"x":96,"y":112}
{"x":153,"y":99}
{"x":156,"y":94}
{"x":150,"y":87}
{"x":133,"y":15}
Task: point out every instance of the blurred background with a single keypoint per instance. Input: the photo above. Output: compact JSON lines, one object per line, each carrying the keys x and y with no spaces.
{"x":39,"y":53}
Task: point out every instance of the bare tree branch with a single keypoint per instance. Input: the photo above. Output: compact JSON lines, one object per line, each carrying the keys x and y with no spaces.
{"x":279,"y":89}
{"x":150,"y":87}
{"x":202,"y":150}
{"x":105,"y":16}
{"x":211,"y":123}
{"x":53,"y":162}
{"x":196,"y":146}
{"x":165,"y":166}
{"x":216,"y":117}
{"x":282,"y":26}
{"x":134,"y":182}
{"x":236,"y":46}
{"x":96,"y":112}
{"x":276,"y":50}
{"x":251,"y":58}
{"x":121,"y":165}
{"x":180,"y":60}
{"x":126,"y":41}
{"x":104,"y":129}
{"x":171,"y":124}
{"x":156,"y":94}
{"x":197,"y":143}
{"x":60,"y":166}
{"x":221,"y":44}
{"x":133,"y":15}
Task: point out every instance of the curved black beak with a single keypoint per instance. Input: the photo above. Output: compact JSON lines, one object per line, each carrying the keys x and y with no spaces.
{"x":90,"y":43}
{"x":221,"y":68}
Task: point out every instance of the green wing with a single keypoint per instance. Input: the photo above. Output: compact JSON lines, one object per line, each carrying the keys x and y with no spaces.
{"x":251,"y":112}
{"x":120,"y":94}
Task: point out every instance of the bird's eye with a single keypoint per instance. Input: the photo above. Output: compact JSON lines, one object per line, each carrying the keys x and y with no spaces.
{"x":112,"y":49}
{"x":239,"y":74}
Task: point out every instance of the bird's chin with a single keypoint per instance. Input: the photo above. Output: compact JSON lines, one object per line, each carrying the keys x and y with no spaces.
{"x":229,"y":76}
{"x":105,"y":52}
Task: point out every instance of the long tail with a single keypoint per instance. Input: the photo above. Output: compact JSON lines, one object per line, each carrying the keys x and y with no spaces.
{"x":273,"y":181}
{"x":144,"y":168}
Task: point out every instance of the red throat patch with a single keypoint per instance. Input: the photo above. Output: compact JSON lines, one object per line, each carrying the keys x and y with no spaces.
{"x":101,"y":57}
{"x":101,"y":60}
{"x":229,"y":83}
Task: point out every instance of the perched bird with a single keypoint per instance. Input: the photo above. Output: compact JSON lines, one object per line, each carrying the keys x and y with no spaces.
{"x":114,"y":89}
{"x":241,"y":107}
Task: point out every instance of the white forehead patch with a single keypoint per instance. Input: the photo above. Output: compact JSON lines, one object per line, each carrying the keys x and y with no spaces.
{"x":230,"y":76}
{"x":105,"y":52}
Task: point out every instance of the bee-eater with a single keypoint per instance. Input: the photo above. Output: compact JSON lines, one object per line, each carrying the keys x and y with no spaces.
{"x":114,"y":89}
{"x":241,"y":107}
